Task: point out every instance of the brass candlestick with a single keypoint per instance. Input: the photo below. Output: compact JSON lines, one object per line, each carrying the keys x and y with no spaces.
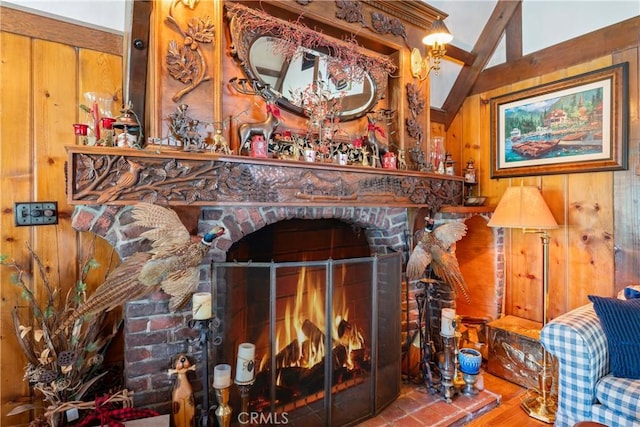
{"x":223,"y":411}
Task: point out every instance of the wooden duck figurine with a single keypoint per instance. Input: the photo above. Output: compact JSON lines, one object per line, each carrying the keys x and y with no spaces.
{"x":183,"y":409}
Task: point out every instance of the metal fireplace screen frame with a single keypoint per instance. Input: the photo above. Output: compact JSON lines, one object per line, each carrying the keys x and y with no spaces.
{"x":241,"y":288}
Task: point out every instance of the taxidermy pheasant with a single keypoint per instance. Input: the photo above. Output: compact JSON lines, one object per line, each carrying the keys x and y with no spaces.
{"x":171,"y":264}
{"x":434,"y":248}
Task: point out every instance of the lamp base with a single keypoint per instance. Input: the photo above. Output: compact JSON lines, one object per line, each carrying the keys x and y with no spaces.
{"x":536,"y":407}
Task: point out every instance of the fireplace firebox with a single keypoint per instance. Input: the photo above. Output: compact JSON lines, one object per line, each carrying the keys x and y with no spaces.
{"x":319,"y":363}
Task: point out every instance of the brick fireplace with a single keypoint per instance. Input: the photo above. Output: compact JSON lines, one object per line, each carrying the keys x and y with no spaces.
{"x":244,"y":195}
{"x":153,"y":335}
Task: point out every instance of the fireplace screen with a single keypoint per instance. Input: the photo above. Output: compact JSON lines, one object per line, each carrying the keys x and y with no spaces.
{"x":327,"y":335}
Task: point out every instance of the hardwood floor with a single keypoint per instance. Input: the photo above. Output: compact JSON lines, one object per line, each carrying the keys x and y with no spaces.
{"x":508,"y":413}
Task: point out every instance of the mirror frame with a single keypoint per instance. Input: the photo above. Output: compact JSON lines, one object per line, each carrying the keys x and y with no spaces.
{"x":243,"y":35}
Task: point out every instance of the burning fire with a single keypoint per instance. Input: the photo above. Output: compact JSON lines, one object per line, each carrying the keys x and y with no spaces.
{"x":300,"y":337}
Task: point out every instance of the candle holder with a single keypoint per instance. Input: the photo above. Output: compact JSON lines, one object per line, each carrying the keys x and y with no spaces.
{"x":448,"y":367}
{"x":244,"y":388}
{"x":470,"y":361}
{"x":223,"y":411}
{"x":205,"y":327}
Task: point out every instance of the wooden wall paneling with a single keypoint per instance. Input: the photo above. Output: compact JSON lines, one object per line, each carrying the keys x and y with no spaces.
{"x":523,"y":294}
{"x":590,"y":257}
{"x":476,"y":253}
{"x":41,"y":88}
{"x":554,"y":192}
{"x":627,"y":185}
{"x":16,"y":151}
{"x":55,"y":107}
{"x":492,"y":189}
{"x":47,"y":28}
{"x":590,"y":207}
{"x":101,"y":73}
{"x":471,"y":135}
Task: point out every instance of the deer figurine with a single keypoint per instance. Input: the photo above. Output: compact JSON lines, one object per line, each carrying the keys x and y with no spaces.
{"x":378,"y":148}
{"x":265,"y":127}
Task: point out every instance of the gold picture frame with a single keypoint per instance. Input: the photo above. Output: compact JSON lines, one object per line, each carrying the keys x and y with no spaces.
{"x":578,"y":124}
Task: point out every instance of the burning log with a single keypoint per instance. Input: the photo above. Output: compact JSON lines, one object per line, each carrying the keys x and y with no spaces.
{"x":348,"y":335}
{"x":301,"y":365}
{"x":290,"y":376}
{"x":314,"y":334}
{"x":312,"y":379}
{"x":339,"y":356}
{"x":343,"y":327}
{"x":289,"y":356}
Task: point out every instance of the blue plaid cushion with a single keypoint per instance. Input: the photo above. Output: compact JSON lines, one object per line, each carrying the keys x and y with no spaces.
{"x":576,"y":339}
{"x":621,"y":396}
{"x":620,"y":320}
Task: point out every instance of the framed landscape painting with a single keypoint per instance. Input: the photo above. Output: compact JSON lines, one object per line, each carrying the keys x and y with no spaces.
{"x":578,"y":124}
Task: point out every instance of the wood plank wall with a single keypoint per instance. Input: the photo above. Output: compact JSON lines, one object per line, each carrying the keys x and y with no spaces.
{"x":46,"y":68}
{"x":590,"y":208}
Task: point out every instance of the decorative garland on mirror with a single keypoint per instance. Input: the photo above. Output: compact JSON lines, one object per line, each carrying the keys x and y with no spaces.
{"x":346,"y":52}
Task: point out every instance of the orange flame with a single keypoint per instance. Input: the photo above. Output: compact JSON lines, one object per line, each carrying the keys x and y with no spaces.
{"x":300,"y":337}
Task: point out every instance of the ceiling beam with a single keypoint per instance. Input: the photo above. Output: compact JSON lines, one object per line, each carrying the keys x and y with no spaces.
{"x":484,"y":48}
{"x":460,"y":55}
{"x":599,"y":43}
{"x":513,"y":36}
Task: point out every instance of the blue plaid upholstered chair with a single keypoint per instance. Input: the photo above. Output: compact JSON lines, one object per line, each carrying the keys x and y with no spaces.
{"x":586,"y":390}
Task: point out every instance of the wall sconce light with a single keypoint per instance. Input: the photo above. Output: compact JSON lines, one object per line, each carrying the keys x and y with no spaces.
{"x":436,"y":39}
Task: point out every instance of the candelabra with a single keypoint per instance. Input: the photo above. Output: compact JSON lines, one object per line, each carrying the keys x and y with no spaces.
{"x":205,"y":327}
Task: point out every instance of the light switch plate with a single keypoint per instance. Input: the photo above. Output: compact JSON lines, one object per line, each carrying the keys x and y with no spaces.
{"x":36,"y":213}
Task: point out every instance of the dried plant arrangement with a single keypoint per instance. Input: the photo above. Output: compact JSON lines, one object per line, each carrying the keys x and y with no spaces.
{"x":61,"y":368}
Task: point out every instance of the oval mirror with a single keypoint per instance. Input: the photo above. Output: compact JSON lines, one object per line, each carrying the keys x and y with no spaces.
{"x":289,"y":77}
{"x":289,"y":65}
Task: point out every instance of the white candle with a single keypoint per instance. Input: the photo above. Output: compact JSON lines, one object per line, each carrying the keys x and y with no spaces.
{"x":201,"y":306}
{"x":447,"y":322}
{"x":222,"y":376}
{"x":245,"y":366}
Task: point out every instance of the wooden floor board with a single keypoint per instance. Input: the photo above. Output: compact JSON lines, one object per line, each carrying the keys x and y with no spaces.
{"x":508,"y":413}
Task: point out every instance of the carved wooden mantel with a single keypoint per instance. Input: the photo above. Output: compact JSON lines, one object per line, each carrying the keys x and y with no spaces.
{"x":98,"y":175}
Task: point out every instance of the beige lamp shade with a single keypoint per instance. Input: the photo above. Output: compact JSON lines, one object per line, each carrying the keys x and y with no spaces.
{"x":522,"y":207}
{"x":438,"y":34}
